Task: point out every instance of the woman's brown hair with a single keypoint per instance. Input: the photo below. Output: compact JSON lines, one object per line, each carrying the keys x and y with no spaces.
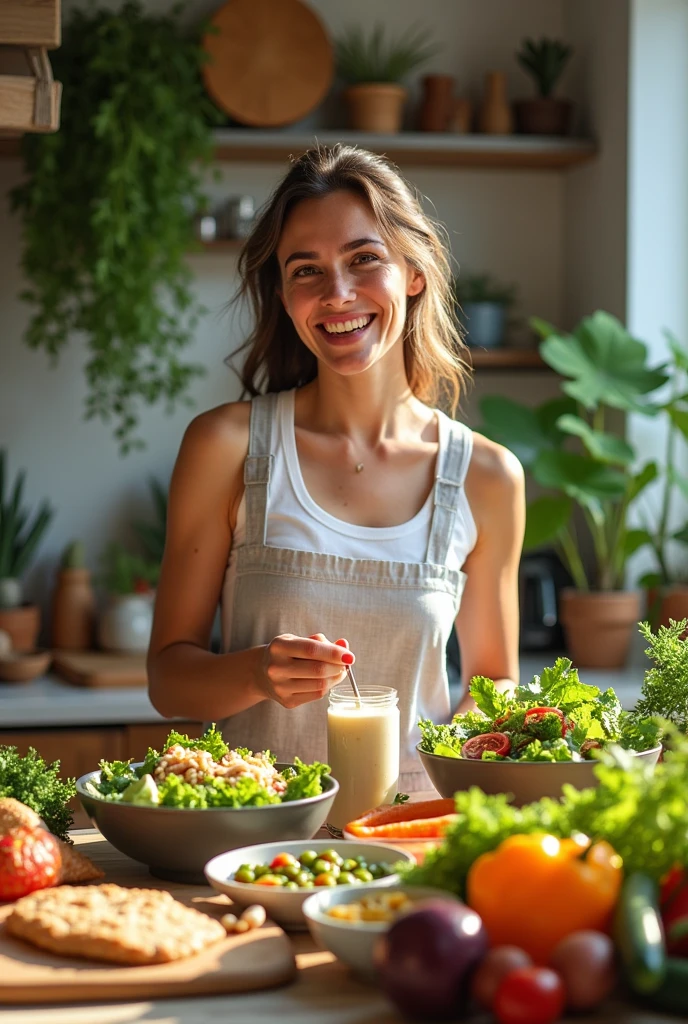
{"x":433,"y":349}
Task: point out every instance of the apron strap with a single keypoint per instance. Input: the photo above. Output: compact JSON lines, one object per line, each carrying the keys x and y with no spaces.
{"x":448,"y":486}
{"x":257,"y":468}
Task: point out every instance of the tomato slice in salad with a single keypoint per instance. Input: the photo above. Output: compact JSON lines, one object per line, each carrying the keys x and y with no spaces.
{"x":498,"y":742}
{"x":538,"y":713}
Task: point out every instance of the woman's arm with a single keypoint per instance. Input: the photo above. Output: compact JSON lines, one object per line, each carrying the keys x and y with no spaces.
{"x":185,"y":678}
{"x":487,"y":625}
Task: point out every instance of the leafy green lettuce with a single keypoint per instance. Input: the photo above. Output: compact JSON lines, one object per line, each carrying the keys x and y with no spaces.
{"x":590,"y":715}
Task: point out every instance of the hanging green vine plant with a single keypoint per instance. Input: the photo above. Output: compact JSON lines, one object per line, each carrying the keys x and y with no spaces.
{"x":106,"y":209}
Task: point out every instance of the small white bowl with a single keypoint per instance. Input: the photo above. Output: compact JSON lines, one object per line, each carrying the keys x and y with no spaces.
{"x":284,"y":906}
{"x":352,"y":942}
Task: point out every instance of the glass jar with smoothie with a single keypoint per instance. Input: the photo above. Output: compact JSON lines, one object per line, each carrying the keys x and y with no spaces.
{"x":362,"y":750}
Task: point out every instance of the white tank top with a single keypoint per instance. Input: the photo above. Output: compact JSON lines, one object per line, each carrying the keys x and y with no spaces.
{"x":295,"y":521}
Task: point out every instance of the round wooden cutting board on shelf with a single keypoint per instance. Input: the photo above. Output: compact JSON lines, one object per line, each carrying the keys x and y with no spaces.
{"x":270,"y":61}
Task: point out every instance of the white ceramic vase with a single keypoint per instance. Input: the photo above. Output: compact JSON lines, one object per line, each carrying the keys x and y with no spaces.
{"x":125,"y":624}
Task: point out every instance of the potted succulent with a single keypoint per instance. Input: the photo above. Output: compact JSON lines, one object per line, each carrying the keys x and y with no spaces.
{"x":21,"y":531}
{"x":482,"y":304}
{"x":667,"y":583}
{"x":129,"y":580}
{"x":545,"y":115}
{"x":566,"y":447}
{"x":374,"y":70}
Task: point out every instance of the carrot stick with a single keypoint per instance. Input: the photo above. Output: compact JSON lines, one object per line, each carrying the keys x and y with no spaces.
{"x":420,"y":828}
{"x":376,"y":821}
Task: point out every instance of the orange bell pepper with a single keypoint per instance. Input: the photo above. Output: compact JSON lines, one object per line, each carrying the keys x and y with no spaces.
{"x":425,"y":819}
{"x":534,"y":890}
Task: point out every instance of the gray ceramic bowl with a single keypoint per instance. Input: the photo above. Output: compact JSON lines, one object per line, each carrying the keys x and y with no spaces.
{"x":282,"y":905}
{"x":526,"y":780}
{"x":177,"y":842}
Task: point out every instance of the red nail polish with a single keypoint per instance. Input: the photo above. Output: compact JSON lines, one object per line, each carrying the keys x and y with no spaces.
{"x":348,"y":659}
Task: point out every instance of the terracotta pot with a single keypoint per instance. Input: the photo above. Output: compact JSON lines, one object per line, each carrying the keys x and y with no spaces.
{"x":73,"y":611}
{"x":544,"y":116}
{"x":375,"y":106}
{"x":23,"y":625}
{"x":598,"y":626}
{"x":671,"y":603}
{"x":494,"y":116}
{"x":437,"y":103}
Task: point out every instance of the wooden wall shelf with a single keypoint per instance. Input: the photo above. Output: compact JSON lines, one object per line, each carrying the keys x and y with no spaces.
{"x":414,"y":149}
{"x":507,"y":359}
{"x":421,"y":149}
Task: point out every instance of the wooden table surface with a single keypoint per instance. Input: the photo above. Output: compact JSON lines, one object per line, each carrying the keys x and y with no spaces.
{"x":325,"y":992}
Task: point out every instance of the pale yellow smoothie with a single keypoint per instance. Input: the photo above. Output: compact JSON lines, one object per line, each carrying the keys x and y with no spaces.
{"x":362,"y":750}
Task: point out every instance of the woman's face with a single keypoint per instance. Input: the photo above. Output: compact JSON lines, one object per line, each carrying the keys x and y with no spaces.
{"x":343,"y":287}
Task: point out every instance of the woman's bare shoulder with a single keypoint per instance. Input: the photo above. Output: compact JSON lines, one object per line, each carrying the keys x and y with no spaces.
{"x":494,"y":472}
{"x":219,"y":432}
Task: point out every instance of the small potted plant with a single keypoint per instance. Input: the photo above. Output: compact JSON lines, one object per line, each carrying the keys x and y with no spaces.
{"x":21,"y":532}
{"x":482,"y":305}
{"x":545,"y":115}
{"x":125,"y":623}
{"x":374,"y":69}
{"x":73,"y":602}
{"x":566,"y":448}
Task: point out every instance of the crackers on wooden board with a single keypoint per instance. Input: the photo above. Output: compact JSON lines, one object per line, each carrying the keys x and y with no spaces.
{"x":113,"y":923}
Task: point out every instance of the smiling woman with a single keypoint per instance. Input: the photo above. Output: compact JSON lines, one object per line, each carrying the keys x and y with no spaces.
{"x":338,"y":516}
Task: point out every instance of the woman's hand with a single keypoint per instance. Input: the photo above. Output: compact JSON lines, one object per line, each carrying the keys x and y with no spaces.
{"x":295,"y":670}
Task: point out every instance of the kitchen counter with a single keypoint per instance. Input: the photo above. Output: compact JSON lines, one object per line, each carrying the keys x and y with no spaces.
{"x":51,"y":702}
{"x":324,"y":991}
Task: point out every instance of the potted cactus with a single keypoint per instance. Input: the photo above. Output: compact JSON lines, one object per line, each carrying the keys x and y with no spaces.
{"x":545,"y":115}
{"x":20,"y":534}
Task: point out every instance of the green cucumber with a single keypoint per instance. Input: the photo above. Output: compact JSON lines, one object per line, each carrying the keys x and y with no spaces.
{"x":672,"y":994}
{"x":639,"y":934}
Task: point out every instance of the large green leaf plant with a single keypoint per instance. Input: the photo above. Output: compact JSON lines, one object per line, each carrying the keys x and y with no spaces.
{"x":567,"y":447}
{"x":667,"y":541}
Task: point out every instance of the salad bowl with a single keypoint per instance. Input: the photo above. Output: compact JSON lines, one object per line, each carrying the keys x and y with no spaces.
{"x":525,"y":780}
{"x":177,"y":842}
{"x":532,"y":740}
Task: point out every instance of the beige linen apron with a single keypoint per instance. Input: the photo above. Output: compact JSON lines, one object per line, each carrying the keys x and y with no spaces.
{"x":397,"y":616}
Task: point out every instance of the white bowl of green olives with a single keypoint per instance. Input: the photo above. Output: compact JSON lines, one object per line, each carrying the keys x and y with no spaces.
{"x":280,"y":876}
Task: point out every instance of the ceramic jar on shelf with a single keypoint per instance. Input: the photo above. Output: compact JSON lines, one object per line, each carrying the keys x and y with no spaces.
{"x":126,"y":622}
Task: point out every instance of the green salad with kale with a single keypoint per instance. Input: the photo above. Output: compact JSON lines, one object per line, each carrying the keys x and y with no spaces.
{"x":204,"y":773}
{"x":554,"y":717}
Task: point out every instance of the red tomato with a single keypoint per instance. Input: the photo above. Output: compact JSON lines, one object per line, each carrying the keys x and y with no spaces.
{"x":537,"y":713}
{"x":673,"y":902}
{"x":497,"y":741}
{"x":282,"y":860}
{"x":530,"y":995}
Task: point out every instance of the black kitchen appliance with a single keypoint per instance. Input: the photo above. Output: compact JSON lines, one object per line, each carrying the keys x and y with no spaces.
{"x":541,"y":578}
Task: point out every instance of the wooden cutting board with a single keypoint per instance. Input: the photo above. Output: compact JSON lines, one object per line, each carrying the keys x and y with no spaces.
{"x":99,"y":669}
{"x":270,"y":61}
{"x":240,"y":963}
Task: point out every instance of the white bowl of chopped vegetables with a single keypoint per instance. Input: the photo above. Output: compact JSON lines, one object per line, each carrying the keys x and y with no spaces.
{"x":530,"y":743}
{"x":280,"y":876}
{"x":176,"y":810}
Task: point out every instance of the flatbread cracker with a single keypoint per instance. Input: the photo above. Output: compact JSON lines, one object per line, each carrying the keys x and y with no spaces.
{"x":110,"y":922}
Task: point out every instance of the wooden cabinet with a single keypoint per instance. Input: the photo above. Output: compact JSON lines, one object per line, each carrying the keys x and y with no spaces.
{"x":80,"y":750}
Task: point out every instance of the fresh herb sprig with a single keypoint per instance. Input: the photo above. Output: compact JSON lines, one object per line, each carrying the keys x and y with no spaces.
{"x":37,"y":784}
{"x":664,"y":690}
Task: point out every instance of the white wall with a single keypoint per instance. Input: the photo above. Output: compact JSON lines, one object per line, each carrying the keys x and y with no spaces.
{"x":658,"y":205}
{"x":519,"y":225}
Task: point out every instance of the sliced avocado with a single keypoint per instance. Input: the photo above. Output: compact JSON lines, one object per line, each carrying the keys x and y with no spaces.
{"x":143,"y":791}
